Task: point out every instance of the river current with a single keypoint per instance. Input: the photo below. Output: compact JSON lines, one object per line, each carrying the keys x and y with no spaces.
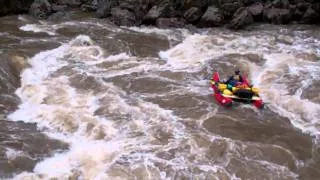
{"x":136,"y":102}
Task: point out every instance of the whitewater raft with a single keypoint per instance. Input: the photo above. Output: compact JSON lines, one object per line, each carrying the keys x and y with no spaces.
{"x":226,"y":95}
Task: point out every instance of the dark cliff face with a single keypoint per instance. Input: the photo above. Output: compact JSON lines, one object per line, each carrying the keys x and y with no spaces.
{"x":235,"y":14}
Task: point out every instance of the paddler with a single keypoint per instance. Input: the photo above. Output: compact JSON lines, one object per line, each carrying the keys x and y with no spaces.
{"x":235,"y":79}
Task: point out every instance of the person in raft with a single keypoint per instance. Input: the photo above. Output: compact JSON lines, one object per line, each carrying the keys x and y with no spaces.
{"x":235,"y":79}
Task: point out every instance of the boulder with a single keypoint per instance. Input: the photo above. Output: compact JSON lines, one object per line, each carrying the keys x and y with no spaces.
{"x":256,"y":11}
{"x":192,"y":15}
{"x":303,"y":6}
{"x":248,"y":2}
{"x":212,"y":17}
{"x":56,"y":8}
{"x":228,"y":9}
{"x":310,"y":16}
{"x":40,"y":9}
{"x":123,"y":17}
{"x":297,"y":15}
{"x":104,"y":7}
{"x":59,"y":16}
{"x":89,"y":8}
{"x":282,"y":4}
{"x":185,"y":5}
{"x":164,"y":9}
{"x":139,"y":7}
{"x":241,"y":19}
{"x":70,"y":3}
{"x":277,"y":16}
{"x":170,"y":22}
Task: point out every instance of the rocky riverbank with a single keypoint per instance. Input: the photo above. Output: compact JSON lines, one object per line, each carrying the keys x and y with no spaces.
{"x":234,"y":14}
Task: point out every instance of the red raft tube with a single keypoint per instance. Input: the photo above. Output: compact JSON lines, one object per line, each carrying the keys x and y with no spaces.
{"x":227,"y":101}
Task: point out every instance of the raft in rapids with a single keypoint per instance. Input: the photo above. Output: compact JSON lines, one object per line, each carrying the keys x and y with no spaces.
{"x":243,"y":92}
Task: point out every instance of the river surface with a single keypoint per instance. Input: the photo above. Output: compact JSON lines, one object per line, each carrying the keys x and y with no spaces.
{"x":96,"y":101}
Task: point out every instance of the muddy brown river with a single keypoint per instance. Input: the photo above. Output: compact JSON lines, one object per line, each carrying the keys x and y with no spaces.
{"x":84,"y":99}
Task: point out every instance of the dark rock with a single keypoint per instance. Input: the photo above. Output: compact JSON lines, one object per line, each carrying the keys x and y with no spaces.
{"x":89,"y":8}
{"x":70,"y":3}
{"x":185,"y":5}
{"x":170,"y":22}
{"x":192,"y":15}
{"x":40,"y":9}
{"x":212,"y":17}
{"x":303,"y":6}
{"x":241,"y":18}
{"x":256,"y":11}
{"x":164,"y":9}
{"x":282,"y":4}
{"x":277,"y":16}
{"x":59,"y":16}
{"x":104,"y":8}
{"x":248,"y":2}
{"x":227,"y":1}
{"x":316,"y":6}
{"x":310,"y":16}
{"x":123,"y":17}
{"x":228,"y":9}
{"x":139,"y":7}
{"x":56,"y":8}
{"x":14,"y":6}
{"x":296,"y":13}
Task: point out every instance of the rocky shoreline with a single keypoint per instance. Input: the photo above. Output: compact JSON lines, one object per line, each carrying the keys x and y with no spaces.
{"x":234,"y":14}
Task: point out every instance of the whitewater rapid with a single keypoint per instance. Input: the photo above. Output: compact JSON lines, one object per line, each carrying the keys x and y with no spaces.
{"x":131,"y":117}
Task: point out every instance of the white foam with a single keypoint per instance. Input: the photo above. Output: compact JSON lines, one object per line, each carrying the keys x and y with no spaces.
{"x":188,"y":52}
{"x":302,"y":113}
{"x":170,"y":34}
{"x":38,"y":28}
{"x":89,"y":158}
{"x":67,"y":114}
{"x":113,"y":58}
{"x":22,"y":18}
{"x":12,"y":153}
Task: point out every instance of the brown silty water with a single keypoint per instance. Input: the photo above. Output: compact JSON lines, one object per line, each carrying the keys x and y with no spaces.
{"x":136,"y":103}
